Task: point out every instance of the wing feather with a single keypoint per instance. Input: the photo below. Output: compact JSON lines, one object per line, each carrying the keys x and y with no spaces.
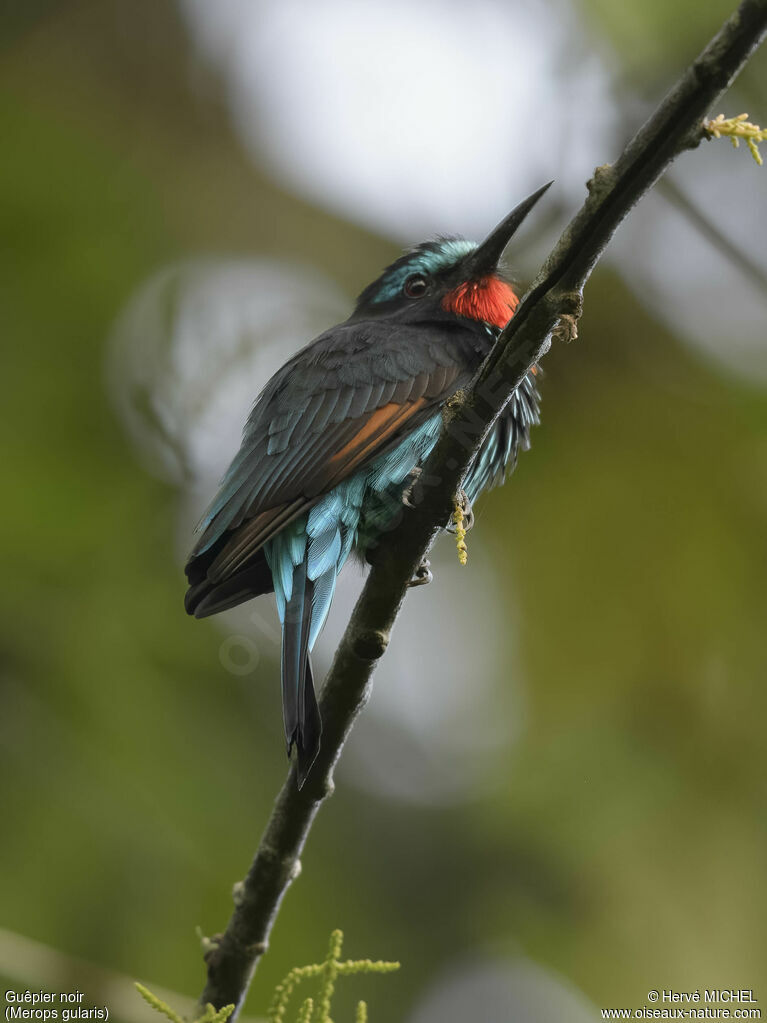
{"x":349,"y":396}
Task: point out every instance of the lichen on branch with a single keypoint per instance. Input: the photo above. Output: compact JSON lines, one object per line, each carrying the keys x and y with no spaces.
{"x":318,"y":1010}
{"x":737,"y":129}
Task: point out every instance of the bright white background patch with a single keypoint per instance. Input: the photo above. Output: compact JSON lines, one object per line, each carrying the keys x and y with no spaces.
{"x":518,"y":990}
{"x":411,"y":118}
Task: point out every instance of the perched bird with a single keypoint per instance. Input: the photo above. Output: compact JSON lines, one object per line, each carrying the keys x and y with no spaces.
{"x":336,"y":438}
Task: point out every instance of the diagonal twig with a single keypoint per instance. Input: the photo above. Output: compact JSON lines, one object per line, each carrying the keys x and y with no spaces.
{"x":549,"y":311}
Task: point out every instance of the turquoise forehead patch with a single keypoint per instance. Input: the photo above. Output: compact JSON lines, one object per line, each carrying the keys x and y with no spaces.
{"x":426,"y":261}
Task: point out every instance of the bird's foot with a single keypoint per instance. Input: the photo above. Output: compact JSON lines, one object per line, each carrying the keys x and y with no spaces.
{"x":423,"y":574}
{"x":464,"y":505}
{"x":407,"y":493}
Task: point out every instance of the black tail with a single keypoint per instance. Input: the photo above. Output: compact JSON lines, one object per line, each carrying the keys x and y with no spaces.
{"x":205,"y":598}
{"x":303,"y":726}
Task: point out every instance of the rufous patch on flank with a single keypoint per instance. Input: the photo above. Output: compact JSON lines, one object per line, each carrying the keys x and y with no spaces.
{"x":373,"y":432}
{"x":489,"y":299}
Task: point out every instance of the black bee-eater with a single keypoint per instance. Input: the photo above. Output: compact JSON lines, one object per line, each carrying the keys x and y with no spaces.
{"x":339,"y":433}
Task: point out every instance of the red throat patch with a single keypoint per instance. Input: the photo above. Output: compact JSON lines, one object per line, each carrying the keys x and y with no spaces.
{"x":489,"y":299}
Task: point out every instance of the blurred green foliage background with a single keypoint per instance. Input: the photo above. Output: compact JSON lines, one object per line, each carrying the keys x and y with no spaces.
{"x":624,"y":848}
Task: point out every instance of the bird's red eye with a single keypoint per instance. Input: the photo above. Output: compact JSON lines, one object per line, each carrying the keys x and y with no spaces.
{"x":415,"y":286}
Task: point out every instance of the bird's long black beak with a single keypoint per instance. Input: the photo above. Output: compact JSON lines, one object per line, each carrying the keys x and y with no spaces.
{"x":485,"y":258}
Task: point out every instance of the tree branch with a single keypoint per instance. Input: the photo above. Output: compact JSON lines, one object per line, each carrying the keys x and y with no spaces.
{"x":549,"y":311}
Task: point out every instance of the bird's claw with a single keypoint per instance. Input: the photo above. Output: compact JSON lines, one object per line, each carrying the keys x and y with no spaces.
{"x":423,"y":574}
{"x":407,"y":493}
{"x":467,"y":511}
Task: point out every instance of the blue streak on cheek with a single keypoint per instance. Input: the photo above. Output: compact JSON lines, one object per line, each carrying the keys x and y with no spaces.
{"x":393,"y":285}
